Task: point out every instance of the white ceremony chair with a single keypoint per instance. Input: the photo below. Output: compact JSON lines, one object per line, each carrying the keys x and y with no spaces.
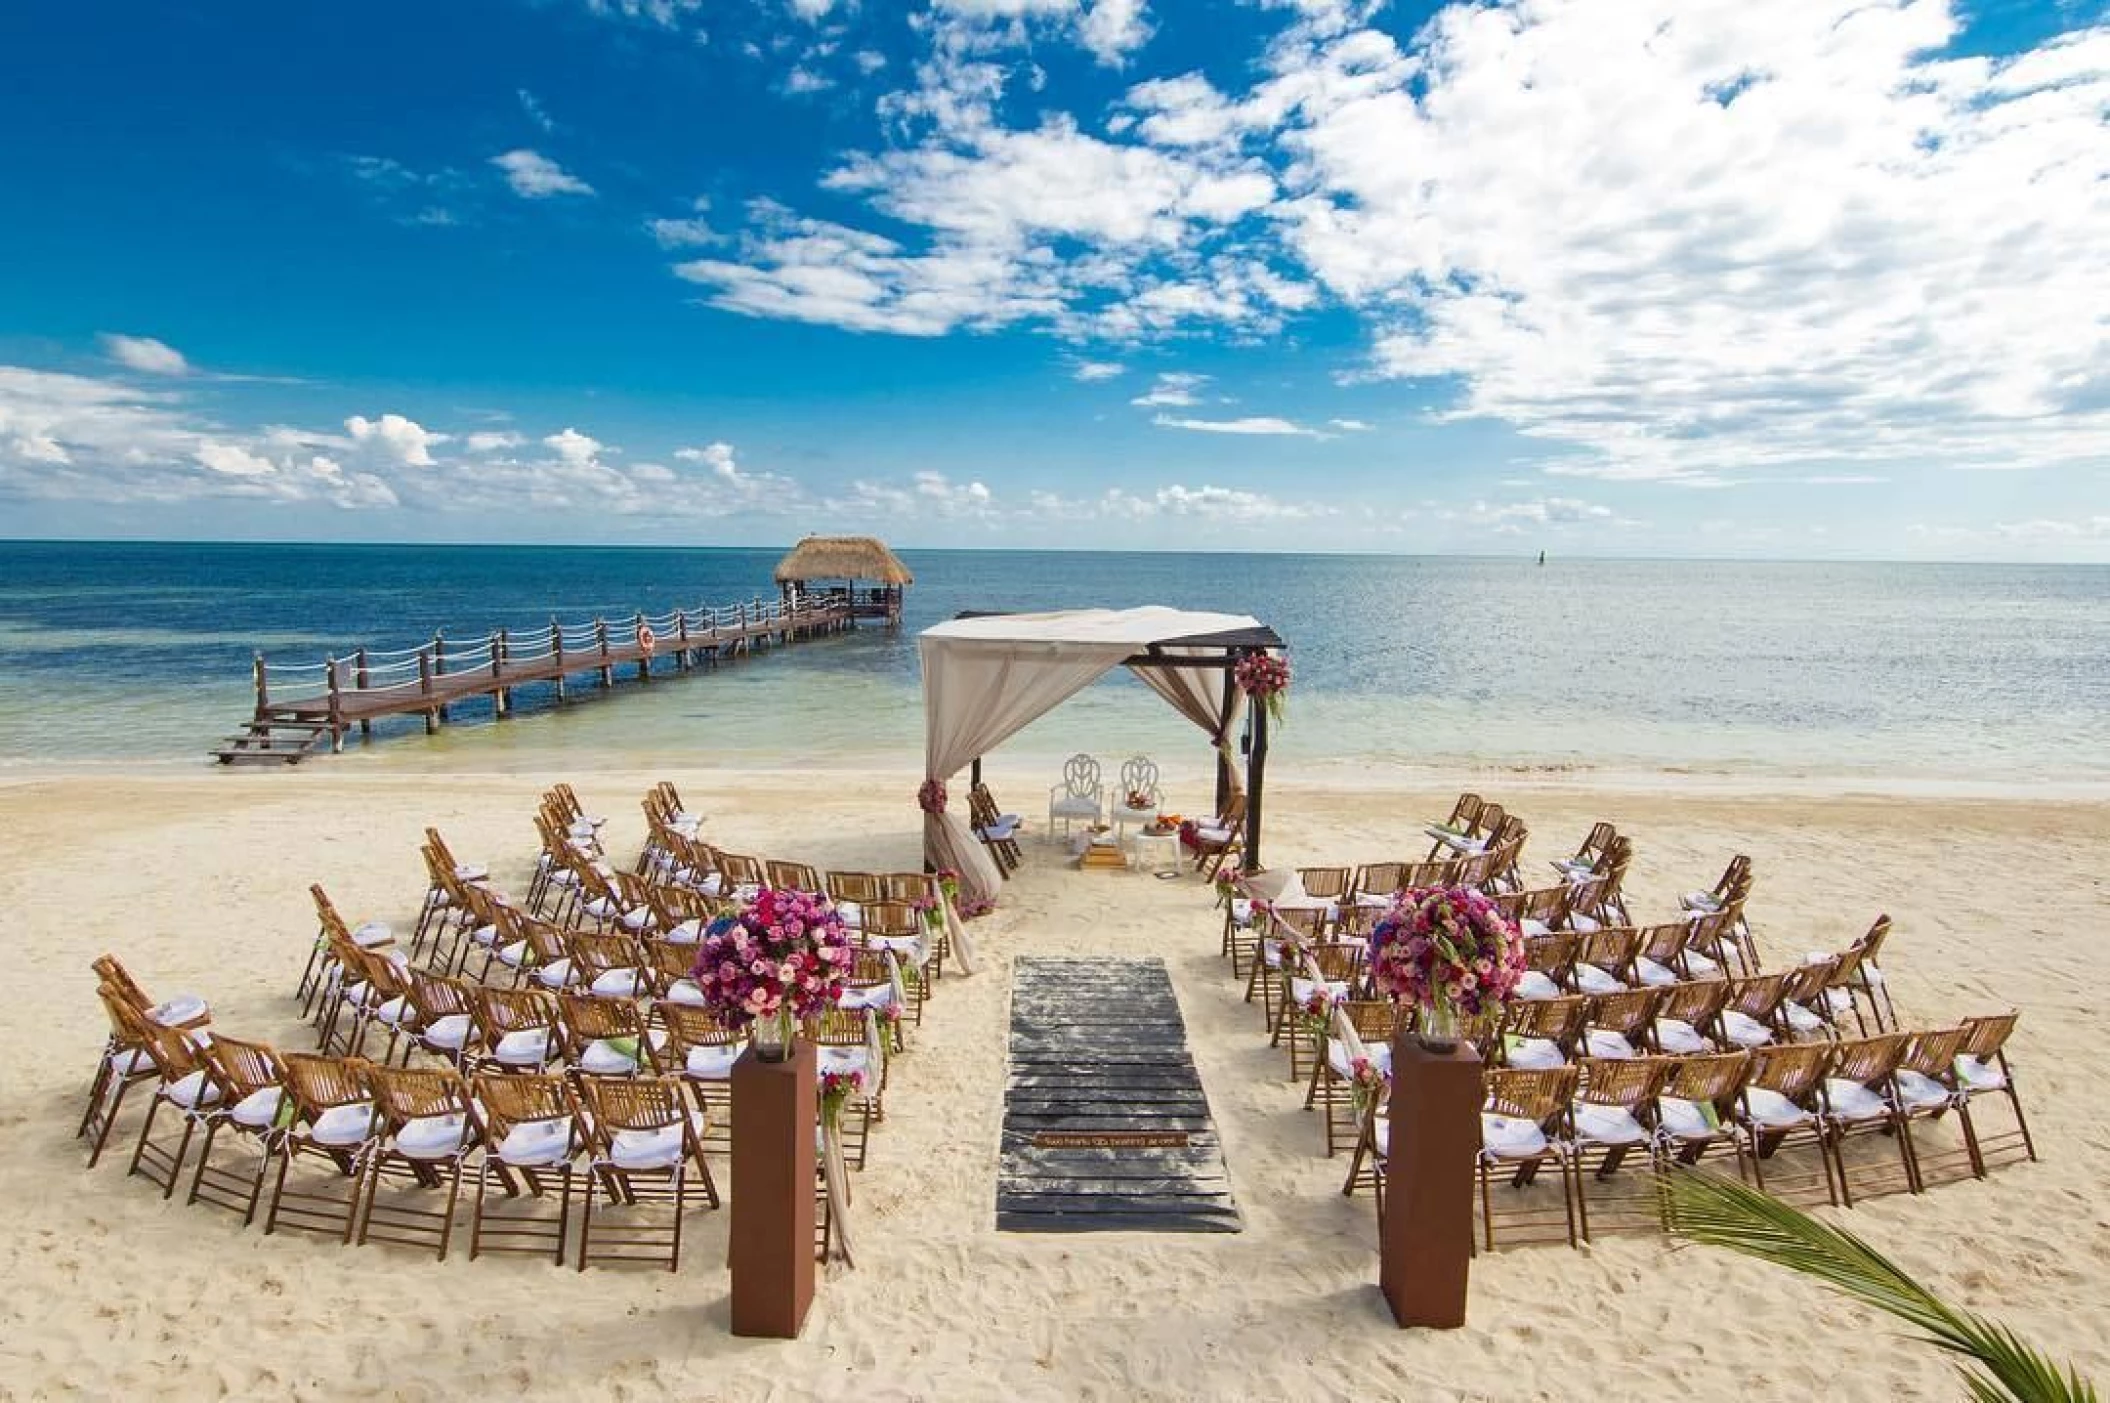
{"x":1079,"y":795}
{"x":1139,"y":779}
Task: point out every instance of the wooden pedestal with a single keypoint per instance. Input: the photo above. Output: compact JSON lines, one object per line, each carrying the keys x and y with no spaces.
{"x":775,"y":1109}
{"x":1427,"y":1242}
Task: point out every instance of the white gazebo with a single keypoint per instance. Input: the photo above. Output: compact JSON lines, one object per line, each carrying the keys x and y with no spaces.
{"x":988,"y":676}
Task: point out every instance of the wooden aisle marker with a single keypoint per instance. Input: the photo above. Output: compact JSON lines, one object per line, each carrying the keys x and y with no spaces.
{"x":1106,"y":1127}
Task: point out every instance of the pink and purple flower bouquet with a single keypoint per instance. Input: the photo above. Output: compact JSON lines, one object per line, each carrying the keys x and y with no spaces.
{"x":785,"y":955}
{"x":1448,"y":949}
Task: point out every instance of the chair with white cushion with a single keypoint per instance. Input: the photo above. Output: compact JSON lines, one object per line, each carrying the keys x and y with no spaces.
{"x":250,"y":1078}
{"x":1330,"y":970}
{"x":1604,"y":960}
{"x":670,"y":973}
{"x":1541,"y":1034}
{"x":123,"y":1063}
{"x":531,"y":1137}
{"x":1523,"y":1130}
{"x":516,"y":1030}
{"x":1549,"y":966}
{"x":701,"y":1051}
{"x":607,"y":965}
{"x":1079,"y":796}
{"x":1782,"y":1109}
{"x":1613,"y":1118}
{"x":1752,"y":1017}
{"x":1859,"y":1101}
{"x":1926,"y":1088}
{"x":1137,"y":798}
{"x":1588,"y":858}
{"x":1621,"y":1026}
{"x":1360,"y":1028}
{"x":333,"y":1123}
{"x":1983,"y":1070}
{"x":428,"y":1130}
{"x":444,"y":1025}
{"x":186,"y":1090}
{"x":1688,"y":1018}
{"x":1696,"y":1107}
{"x":646,"y":1148}
{"x":1660,"y":960}
{"x":997,"y":830}
{"x":1213,"y":842}
{"x":607,"y":1037}
{"x":1808,"y":1008}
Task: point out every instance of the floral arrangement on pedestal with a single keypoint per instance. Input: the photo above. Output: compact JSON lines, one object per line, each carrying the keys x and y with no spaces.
{"x":785,"y":955}
{"x":1451,"y":953}
{"x":1264,"y":678}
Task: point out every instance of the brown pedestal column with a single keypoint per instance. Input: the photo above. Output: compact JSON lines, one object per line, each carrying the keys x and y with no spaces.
{"x":775,"y":1110}
{"x":1427,"y":1242}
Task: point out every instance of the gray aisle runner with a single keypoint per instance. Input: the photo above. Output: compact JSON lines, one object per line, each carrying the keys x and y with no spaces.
{"x":1106,"y":1128}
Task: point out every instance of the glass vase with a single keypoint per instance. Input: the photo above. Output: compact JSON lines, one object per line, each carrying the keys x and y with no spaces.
{"x":772,"y":1035}
{"x":1437,"y":1026}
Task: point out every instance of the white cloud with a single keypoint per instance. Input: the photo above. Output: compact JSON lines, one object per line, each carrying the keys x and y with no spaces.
{"x":396,"y":438}
{"x":1262,"y":424}
{"x":535,"y":176}
{"x":574,"y":447}
{"x":492,"y":441}
{"x":869,"y":61}
{"x":1094,"y":370}
{"x":1113,"y":29}
{"x":1353,"y":426}
{"x":535,"y":111}
{"x":802,"y":80}
{"x":144,"y":354}
{"x":234,"y":461}
{"x":1512,"y":517}
{"x":812,"y":11}
{"x":1172,"y":389}
{"x":667,"y":14}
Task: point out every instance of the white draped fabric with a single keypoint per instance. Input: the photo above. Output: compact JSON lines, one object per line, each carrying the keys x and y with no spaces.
{"x":985,"y":679}
{"x":1197,"y":694}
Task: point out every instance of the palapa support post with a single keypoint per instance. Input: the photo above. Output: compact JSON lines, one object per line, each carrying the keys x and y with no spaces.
{"x":366,"y":725}
{"x":1255,"y":776}
{"x":775,"y":1108}
{"x":1426,"y":1230}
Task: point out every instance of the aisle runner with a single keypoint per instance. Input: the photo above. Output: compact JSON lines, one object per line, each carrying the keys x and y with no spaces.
{"x":1105,"y":1125}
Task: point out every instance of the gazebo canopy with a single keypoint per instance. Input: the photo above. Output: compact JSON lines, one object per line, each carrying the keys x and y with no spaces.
{"x":987,"y":676}
{"x":843,"y":558}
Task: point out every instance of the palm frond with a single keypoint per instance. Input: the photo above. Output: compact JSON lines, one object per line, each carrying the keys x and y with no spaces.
{"x":1996,"y":1365}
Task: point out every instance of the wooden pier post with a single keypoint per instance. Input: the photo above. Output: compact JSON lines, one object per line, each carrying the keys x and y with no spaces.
{"x":556,"y":643}
{"x":600,"y":633}
{"x":637,"y":636}
{"x":501,"y":695}
{"x":366,"y":725}
{"x":682,"y":661}
{"x":439,"y":663}
{"x":432,"y":716}
{"x":336,"y":707}
{"x":263,"y":689}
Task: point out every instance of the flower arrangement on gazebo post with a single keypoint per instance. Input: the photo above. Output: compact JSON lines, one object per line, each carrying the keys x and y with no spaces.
{"x":1264,"y":678}
{"x":1452,"y":954}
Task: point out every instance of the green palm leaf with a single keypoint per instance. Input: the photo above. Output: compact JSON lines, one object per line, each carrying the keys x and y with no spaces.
{"x":1996,"y":1365}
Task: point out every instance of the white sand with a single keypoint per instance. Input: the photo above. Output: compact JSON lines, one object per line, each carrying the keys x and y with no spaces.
{"x":199,"y":884}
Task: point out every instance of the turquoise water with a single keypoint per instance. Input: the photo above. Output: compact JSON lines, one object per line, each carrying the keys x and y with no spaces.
{"x":1986,"y":673}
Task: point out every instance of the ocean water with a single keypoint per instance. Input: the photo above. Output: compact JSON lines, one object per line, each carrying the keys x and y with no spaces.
{"x":130,"y":654}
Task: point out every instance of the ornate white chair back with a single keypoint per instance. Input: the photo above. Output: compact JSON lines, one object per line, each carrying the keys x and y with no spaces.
{"x":1080,"y":777}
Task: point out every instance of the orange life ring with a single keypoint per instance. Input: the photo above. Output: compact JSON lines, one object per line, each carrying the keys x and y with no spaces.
{"x":647,"y":639}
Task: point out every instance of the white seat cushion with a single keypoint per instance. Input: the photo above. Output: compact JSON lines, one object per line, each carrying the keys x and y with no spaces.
{"x":1301,"y":990}
{"x":1606,"y":1125}
{"x":1536,"y":1054}
{"x":1509,"y":1137}
{"x":618,"y":984}
{"x":1744,"y":1030}
{"x":1653,"y":975}
{"x":1687,"y":1120}
{"x":1920,"y":1092}
{"x":1603,"y":1042}
{"x":1851,"y":1101}
{"x":535,"y":1143}
{"x":470,"y":872}
{"x":1801,"y":1021}
{"x":394,"y":1011}
{"x":867,"y":996}
{"x":181,"y":1009}
{"x":343,"y":1125}
{"x":711,"y":1063}
{"x":554,"y":975}
{"x":1577,"y":921}
{"x":130,"y":1062}
{"x":1533,"y":926}
{"x":602,"y":1058}
{"x":1082,"y":807}
{"x":449,"y":1031}
{"x":373,"y":934}
{"x":647,"y":1149}
{"x":1774,"y":1111}
{"x":843,"y":1061}
{"x":1979,"y":1076}
{"x":1589,"y":979}
{"x":432,"y":1137}
{"x":523,"y":1047}
{"x":852,"y":913}
{"x":689,"y":932}
{"x":1535,"y":984}
{"x":515,"y":955}
{"x":1704,"y":902}
{"x":192,"y":1091}
{"x":1699,"y":966}
{"x":685,"y":991}
{"x":259,"y":1108}
{"x":1679,"y":1038}
{"x":1379,"y":1055}
{"x":1211,"y":834}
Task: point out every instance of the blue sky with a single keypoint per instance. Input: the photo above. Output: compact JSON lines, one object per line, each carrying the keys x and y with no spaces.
{"x":1622,"y":277}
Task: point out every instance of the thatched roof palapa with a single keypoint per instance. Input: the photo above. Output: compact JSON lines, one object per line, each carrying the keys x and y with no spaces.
{"x":843,"y":558}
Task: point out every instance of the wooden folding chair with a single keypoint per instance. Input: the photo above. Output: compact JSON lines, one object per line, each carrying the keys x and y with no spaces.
{"x":124,"y":1063}
{"x":1983,"y":1070}
{"x":1782,"y":1108}
{"x":1858,"y":1101}
{"x":1613,"y":1116}
{"x":1540,"y":1034}
{"x":183,"y":1085}
{"x":1523,"y":1128}
{"x":1688,"y":1017}
{"x":607,"y":1037}
{"x":334,"y":1120}
{"x":250,"y":1082}
{"x":428,"y":1129}
{"x":516,"y":1030}
{"x":531,"y":1136}
{"x":791,"y":876}
{"x":646,"y":1148}
{"x":1373,"y":1022}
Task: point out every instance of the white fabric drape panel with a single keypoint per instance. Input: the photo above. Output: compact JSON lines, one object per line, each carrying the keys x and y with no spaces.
{"x":1196,"y":693}
{"x":975,"y":695}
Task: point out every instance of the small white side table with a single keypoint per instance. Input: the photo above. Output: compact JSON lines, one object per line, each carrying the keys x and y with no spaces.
{"x":1157,"y":852}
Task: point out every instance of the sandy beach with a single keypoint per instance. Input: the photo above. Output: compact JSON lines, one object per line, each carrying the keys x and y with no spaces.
{"x":198,"y":882}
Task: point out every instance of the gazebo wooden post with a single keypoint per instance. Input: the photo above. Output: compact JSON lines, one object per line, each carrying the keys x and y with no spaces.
{"x":974,"y":773}
{"x":1223,"y":756}
{"x":1255,"y":775}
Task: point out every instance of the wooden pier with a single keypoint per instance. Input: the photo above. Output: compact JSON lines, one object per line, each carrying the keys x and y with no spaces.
{"x":333,"y":696}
